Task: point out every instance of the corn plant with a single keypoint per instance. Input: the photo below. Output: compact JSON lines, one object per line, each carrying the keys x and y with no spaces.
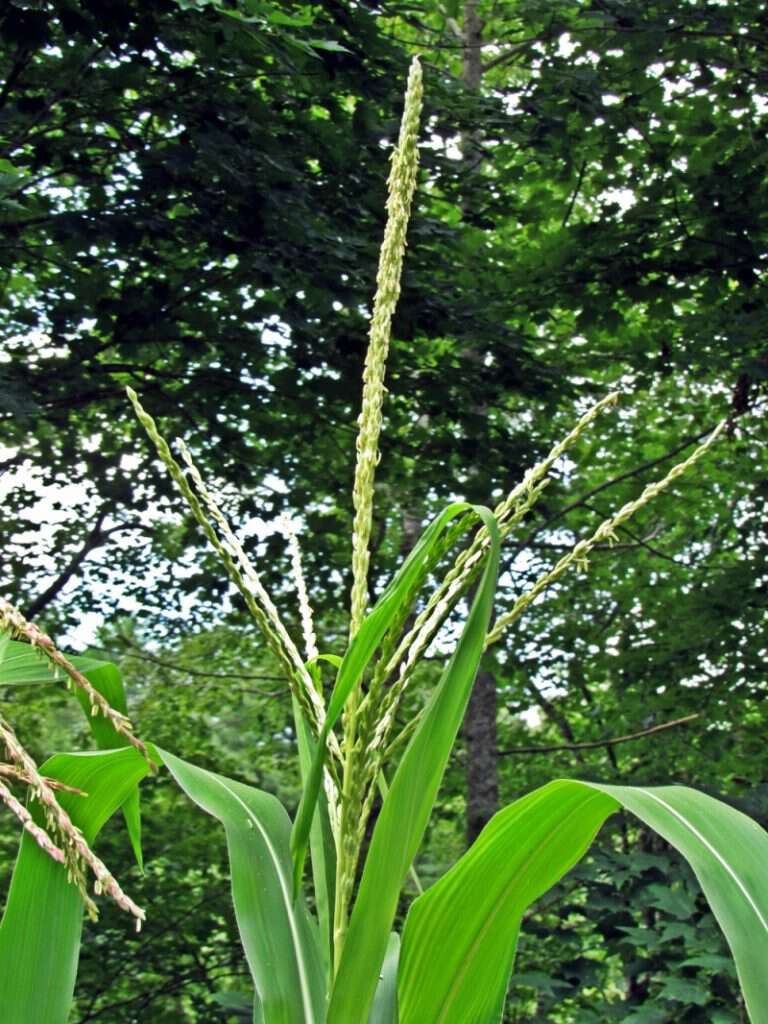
{"x":343,"y":962}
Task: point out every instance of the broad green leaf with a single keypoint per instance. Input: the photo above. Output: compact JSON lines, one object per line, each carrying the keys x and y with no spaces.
{"x":258,"y":1015}
{"x":24,"y":665}
{"x":106,"y":678}
{"x":277,"y":17}
{"x":460,"y":936}
{"x":406,"y":809}
{"x":356,"y":661}
{"x":40,"y":930}
{"x":328,"y":44}
{"x":279,"y":936}
{"x":237,"y":1004}
{"x":729,"y":855}
{"x":462,"y":974}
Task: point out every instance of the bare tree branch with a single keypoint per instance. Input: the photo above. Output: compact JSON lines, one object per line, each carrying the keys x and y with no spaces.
{"x":96,"y":538}
{"x":175,"y":667}
{"x":608,"y":742}
{"x":580,"y":502}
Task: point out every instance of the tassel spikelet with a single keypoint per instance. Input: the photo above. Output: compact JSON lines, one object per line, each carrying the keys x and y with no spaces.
{"x":239,"y":567}
{"x":40,"y":836}
{"x":307,"y":691}
{"x":71,"y":848}
{"x":12,"y":772}
{"x":401,"y":184}
{"x":427,"y":624}
{"x":13,"y":622}
{"x":509,"y":513}
{"x":401,"y":187}
{"x":605,"y":532}
{"x":305,"y":609}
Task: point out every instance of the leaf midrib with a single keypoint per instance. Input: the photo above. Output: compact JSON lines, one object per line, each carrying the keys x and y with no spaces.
{"x":715,"y":853}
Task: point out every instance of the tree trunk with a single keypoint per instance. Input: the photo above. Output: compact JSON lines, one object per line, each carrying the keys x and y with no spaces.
{"x":481,"y":771}
{"x":482,"y":760}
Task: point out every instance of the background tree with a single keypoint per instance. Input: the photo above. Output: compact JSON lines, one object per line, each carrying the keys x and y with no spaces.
{"x":192,"y":204}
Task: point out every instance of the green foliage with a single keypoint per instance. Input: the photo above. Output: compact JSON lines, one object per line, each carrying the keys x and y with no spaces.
{"x":512,"y":257}
{"x":258,"y":832}
{"x":523,"y":852}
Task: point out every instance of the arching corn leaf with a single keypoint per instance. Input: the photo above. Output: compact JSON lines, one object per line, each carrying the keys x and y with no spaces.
{"x":279,"y":937}
{"x":460,"y":936}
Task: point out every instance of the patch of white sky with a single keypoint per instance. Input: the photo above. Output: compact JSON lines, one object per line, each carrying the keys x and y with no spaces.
{"x":54,"y":504}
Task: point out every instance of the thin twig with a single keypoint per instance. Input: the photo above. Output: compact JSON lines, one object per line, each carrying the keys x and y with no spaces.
{"x":593,"y":744}
{"x":153,"y":659}
{"x":574,"y":194}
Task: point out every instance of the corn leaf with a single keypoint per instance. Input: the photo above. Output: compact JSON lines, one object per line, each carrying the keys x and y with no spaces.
{"x":279,"y":937}
{"x":354,"y":664}
{"x":406,"y":809}
{"x":40,"y":930}
{"x":24,"y":665}
{"x":106,"y":678}
{"x":460,"y":936}
{"x":728,"y":852}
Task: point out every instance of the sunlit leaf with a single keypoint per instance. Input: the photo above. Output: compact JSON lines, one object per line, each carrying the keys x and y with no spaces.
{"x":279,"y":937}
{"x":460,"y":936}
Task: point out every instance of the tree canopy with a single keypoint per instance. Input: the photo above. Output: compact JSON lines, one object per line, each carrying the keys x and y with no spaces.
{"x":191,"y":199}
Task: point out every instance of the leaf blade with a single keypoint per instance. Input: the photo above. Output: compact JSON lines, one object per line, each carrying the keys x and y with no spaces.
{"x":384,"y":1009}
{"x":24,"y":665}
{"x":480,"y":901}
{"x":734,"y":877}
{"x":280,"y":939}
{"x":107,"y":679}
